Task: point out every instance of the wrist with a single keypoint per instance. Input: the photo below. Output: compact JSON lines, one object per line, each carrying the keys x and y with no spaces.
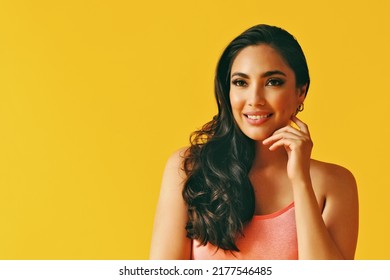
{"x":302,"y":180}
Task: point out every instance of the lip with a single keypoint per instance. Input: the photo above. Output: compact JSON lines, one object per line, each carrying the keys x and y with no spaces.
{"x":257,"y":113}
{"x":267,"y":116}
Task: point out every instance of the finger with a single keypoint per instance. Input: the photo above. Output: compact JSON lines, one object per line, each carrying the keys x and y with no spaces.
{"x":302,"y":126}
{"x":288,"y":129}
{"x":285,"y":142}
{"x":281,"y":135}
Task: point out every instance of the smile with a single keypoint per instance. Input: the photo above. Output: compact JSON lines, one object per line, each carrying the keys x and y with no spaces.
{"x":257,"y":117}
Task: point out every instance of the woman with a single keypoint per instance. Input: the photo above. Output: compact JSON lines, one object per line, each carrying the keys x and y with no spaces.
{"x":247,"y":187}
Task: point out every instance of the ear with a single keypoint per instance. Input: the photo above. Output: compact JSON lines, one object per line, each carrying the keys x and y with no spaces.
{"x":302,"y":93}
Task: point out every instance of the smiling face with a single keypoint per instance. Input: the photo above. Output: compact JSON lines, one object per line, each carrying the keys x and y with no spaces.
{"x":263,"y":92}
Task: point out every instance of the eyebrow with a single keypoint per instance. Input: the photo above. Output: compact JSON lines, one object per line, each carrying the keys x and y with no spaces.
{"x":264,"y":75}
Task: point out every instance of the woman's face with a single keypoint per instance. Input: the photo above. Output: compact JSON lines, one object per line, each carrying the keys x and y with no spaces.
{"x":263,"y":92}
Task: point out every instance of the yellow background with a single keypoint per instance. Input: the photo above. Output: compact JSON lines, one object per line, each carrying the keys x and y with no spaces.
{"x":95,"y":95}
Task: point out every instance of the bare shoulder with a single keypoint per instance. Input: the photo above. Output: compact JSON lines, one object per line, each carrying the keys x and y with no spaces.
{"x":336,"y":187}
{"x":329,"y":179}
{"x":175,"y":164}
{"x":331,"y":171}
{"x":176,"y":158}
{"x":171,"y":213}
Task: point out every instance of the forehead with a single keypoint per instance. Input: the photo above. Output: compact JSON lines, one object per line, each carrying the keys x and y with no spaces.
{"x":258,"y":59}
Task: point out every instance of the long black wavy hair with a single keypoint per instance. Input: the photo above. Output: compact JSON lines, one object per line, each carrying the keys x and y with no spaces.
{"x":217,"y":191}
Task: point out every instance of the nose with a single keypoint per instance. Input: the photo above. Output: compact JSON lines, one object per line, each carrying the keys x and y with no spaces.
{"x":256,"y":96}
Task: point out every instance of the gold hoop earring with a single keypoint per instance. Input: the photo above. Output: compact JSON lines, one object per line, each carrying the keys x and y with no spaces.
{"x":301,"y":107}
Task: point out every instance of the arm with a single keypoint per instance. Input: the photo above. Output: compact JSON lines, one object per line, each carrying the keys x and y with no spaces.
{"x":329,"y":233}
{"x":169,"y":239}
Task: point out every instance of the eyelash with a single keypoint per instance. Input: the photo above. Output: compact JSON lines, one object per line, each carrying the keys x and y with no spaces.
{"x":271,"y":82}
{"x":275,"y":82}
{"x":239,"y":83}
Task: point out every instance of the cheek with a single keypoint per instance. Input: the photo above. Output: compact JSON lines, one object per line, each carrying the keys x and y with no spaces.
{"x":236,"y":101}
{"x":285,"y":105}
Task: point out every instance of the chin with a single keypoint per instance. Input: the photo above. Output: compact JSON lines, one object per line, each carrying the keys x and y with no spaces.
{"x":257,"y":136}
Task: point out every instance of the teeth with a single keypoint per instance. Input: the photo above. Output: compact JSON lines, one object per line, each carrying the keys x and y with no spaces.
{"x":257,"y":117}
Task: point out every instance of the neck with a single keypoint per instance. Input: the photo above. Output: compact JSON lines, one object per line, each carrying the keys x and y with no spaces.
{"x":264,"y":158}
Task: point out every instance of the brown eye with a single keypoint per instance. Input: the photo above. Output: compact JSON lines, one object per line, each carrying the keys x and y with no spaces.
{"x":275,"y":82}
{"x":239,"y":83}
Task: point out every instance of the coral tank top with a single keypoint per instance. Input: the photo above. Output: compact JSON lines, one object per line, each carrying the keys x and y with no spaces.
{"x":266,"y":237}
